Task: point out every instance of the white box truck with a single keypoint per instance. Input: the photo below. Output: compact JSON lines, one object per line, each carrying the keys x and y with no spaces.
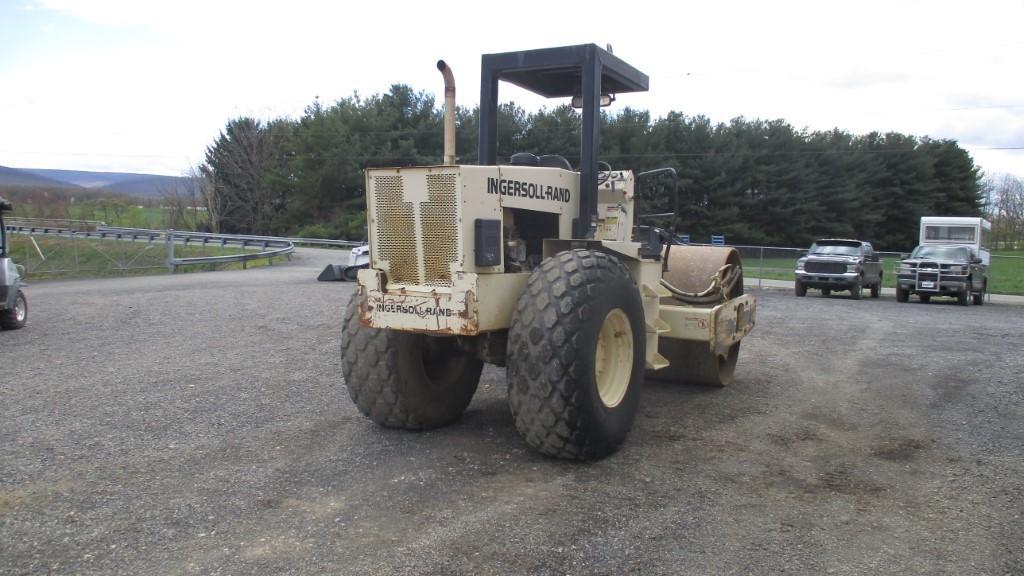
{"x":952,"y":259}
{"x":956,"y":230}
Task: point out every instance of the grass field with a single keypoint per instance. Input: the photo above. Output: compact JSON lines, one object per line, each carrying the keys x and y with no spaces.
{"x":127,"y":216}
{"x":61,"y":258}
{"x":1006,"y":275}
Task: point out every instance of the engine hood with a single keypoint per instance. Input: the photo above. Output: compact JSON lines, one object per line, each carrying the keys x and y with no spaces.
{"x":934,"y":261}
{"x":831,"y":258}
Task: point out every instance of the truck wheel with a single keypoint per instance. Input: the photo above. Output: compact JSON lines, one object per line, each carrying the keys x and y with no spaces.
{"x":826,"y":291}
{"x":576,"y":355}
{"x":876,"y":289}
{"x":925,"y":298}
{"x":16,"y":316}
{"x":801,"y":289}
{"x":901,"y":294}
{"x":857,"y":290}
{"x":963,"y":298}
{"x":405,"y":380}
{"x":979,"y":297}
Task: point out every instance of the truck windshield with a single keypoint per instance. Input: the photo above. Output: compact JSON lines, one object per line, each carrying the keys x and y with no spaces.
{"x":955,"y":253}
{"x":840,"y":249}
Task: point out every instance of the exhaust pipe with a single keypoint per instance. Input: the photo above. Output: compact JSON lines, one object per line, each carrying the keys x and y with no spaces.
{"x":449,"y":112}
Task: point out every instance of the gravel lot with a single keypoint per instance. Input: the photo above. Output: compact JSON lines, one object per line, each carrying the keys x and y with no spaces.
{"x":198,"y":424}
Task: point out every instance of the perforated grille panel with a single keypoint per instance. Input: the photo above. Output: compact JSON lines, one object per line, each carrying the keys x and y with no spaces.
{"x":417,"y":242}
{"x":440,"y":229}
{"x":395,"y":228}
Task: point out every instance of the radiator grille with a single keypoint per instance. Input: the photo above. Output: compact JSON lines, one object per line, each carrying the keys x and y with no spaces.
{"x":417,"y":242}
{"x":396,"y":225}
{"x":440,"y":229}
{"x":824,"y":267}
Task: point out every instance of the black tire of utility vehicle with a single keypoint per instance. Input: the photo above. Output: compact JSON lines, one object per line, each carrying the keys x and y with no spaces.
{"x":925,"y":298}
{"x":405,"y":380}
{"x":553,"y":358}
{"x":876,"y":288}
{"x":16,"y":316}
{"x":826,"y":291}
{"x":857,"y":291}
{"x":901,"y":294}
{"x":979,"y":297}
{"x":801,"y":289}
{"x":963,"y":298}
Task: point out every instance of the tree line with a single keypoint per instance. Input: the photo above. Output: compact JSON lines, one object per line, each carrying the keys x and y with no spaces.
{"x":755,"y":181}
{"x":1005,"y":209}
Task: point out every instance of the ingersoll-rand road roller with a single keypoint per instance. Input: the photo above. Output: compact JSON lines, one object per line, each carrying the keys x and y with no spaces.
{"x":537,"y":266}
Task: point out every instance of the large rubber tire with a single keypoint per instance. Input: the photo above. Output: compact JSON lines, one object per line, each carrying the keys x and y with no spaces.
{"x":826,"y":291}
{"x":925,"y":298}
{"x":405,"y":380}
{"x":876,"y":288}
{"x":902,"y":295}
{"x":964,"y":298}
{"x":15,"y":317}
{"x":857,"y":291}
{"x":801,"y":289}
{"x":576,"y":355}
{"x":979,"y":297}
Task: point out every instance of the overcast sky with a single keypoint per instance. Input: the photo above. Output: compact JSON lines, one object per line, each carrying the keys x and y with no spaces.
{"x":145,"y":86}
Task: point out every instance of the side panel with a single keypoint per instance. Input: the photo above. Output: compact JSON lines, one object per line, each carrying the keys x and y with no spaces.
{"x":10,"y":281}
{"x":486,"y":190}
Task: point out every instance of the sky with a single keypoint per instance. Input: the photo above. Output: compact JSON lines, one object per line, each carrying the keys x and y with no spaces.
{"x":145,"y":86}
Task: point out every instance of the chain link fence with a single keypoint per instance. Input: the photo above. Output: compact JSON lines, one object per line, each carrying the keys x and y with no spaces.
{"x":1006,"y":272}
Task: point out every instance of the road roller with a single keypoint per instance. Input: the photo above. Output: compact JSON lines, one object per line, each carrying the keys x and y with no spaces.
{"x":546,"y":268}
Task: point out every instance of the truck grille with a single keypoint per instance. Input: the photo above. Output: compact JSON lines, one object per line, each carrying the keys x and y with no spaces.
{"x":416,"y":242}
{"x":824,"y":267}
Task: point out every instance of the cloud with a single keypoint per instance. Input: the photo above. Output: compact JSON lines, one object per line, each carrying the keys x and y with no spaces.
{"x":862,"y":79}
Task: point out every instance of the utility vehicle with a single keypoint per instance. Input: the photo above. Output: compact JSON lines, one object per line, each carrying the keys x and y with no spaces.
{"x":539,"y":266}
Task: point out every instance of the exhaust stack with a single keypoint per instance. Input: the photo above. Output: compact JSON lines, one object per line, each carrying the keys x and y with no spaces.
{"x":449,"y":112}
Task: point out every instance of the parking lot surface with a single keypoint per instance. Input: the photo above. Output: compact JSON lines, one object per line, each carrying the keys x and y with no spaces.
{"x":199,"y":424}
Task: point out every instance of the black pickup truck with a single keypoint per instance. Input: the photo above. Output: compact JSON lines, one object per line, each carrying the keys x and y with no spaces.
{"x":955,"y":270}
{"x":838,"y":264}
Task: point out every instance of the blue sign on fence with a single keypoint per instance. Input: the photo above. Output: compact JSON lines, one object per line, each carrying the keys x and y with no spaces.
{"x":717,"y":240}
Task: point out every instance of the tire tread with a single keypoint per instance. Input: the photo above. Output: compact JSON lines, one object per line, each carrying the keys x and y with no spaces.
{"x":546,"y":403}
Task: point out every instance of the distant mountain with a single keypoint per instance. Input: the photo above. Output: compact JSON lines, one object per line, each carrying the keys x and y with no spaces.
{"x":144,"y":185}
{"x":148,"y":185}
{"x":18,"y":177}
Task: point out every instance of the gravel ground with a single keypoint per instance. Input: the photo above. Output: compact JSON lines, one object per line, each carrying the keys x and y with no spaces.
{"x":198,"y":424}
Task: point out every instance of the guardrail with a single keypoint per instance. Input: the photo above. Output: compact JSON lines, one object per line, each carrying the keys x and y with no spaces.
{"x":199,"y":235}
{"x":53,"y":223}
{"x":268,"y":247}
{"x":272,"y":247}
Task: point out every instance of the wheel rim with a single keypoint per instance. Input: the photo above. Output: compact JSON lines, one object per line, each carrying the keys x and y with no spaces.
{"x":19,"y":310}
{"x":442,"y":360}
{"x":613,"y":364}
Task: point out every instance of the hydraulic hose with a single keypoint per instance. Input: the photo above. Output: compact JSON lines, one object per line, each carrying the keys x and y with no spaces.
{"x":722,"y":284}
